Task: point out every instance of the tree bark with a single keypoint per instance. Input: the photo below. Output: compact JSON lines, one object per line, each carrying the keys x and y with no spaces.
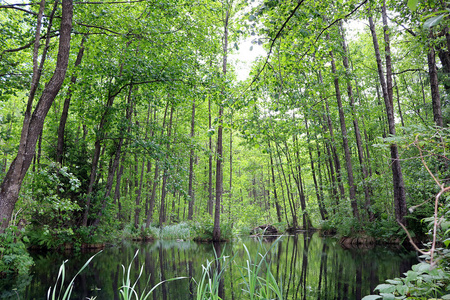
{"x":275,"y":196}
{"x":434,"y":84}
{"x":96,"y":155}
{"x":191,"y":165}
{"x":219,"y":167}
{"x":33,"y":125}
{"x":386,"y":85}
{"x":322,"y":209}
{"x":65,"y":112}
{"x":162,"y":208}
{"x":356,"y":125}
{"x":348,"y":161}
{"x":210,"y":166}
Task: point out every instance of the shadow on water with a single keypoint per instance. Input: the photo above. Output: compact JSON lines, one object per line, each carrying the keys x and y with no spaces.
{"x":306,"y":266}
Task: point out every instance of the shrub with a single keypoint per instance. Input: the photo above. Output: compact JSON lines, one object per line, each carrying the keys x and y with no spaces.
{"x":14,"y":257}
{"x":177,"y":231}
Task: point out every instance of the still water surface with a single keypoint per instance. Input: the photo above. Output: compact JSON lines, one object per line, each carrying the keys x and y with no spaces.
{"x":307,"y":266}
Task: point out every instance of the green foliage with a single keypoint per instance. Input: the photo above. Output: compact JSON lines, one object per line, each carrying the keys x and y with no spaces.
{"x":176,"y":231}
{"x":421,"y":282}
{"x":385,"y":229}
{"x":54,"y":213}
{"x":203,"y":229}
{"x":14,"y":257}
{"x":430,"y":278}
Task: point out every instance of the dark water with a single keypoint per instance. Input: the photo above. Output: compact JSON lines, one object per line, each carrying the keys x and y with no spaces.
{"x":308,"y":267}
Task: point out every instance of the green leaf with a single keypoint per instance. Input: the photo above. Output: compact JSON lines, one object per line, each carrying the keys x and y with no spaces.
{"x":412,"y":4}
{"x":387,"y":296}
{"x":446,"y":297}
{"x":385,"y":288}
{"x":421,"y":268}
{"x":394,"y":281}
{"x":402,"y":289}
{"x":432,"y":21}
{"x":371,"y":297}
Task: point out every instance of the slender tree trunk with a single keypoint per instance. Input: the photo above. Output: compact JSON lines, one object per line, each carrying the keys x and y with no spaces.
{"x":115,"y":164}
{"x":155,"y":178}
{"x":288,"y":193}
{"x":191,"y":165}
{"x":65,"y":112}
{"x":348,"y":161}
{"x":275,"y":196}
{"x":332,"y":143}
{"x":219,"y":168}
{"x":398,"y":103}
{"x":386,"y":85}
{"x":297,"y":174}
{"x":96,"y":156}
{"x":162,"y":210}
{"x":33,"y":123}
{"x":322,"y":209}
{"x":137,"y":209}
{"x":356,"y":126}
{"x":210,"y":165}
{"x":434,"y":84}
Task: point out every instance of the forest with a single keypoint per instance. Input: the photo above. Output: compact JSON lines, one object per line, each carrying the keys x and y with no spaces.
{"x":121,"y":118}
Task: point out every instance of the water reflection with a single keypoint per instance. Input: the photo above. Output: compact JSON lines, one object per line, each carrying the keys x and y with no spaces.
{"x":306,"y":266}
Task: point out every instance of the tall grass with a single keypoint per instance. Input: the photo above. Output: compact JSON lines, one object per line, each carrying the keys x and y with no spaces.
{"x":179,"y":231}
{"x":128,"y":291}
{"x":208,"y":288}
{"x":256,"y":279}
{"x":257,"y":276}
{"x":65,"y":291}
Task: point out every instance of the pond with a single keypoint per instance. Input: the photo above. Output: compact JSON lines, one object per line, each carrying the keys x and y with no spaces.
{"x":307,"y":267}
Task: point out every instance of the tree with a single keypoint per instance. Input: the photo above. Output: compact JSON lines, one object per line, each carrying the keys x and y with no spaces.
{"x":34,"y":122}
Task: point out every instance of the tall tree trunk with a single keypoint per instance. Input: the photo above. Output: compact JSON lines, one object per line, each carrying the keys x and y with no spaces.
{"x":275,"y":196}
{"x":96,"y":156}
{"x":137,"y":209}
{"x":348,"y":161}
{"x":191,"y":165}
{"x":434,"y":84}
{"x":322,"y":209}
{"x":386,"y":85}
{"x":398,"y":103}
{"x":210,"y":165}
{"x":156,"y":176}
{"x":65,"y":112}
{"x":297,"y":174}
{"x":332,"y":144}
{"x":115,"y":164}
{"x":288,"y":191}
{"x":219,"y":168}
{"x":356,"y":126}
{"x":162,"y":209}
{"x":34,"y":123}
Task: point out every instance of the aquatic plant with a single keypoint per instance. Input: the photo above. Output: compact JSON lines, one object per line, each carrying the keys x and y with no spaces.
{"x":128,"y":290}
{"x":257,"y":276}
{"x":65,"y":292}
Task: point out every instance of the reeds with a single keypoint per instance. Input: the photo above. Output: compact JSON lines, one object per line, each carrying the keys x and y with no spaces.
{"x":128,"y":289}
{"x":65,"y":291}
{"x":257,"y":281}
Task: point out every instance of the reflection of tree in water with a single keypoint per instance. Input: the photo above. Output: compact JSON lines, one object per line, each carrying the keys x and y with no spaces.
{"x":308,"y":267}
